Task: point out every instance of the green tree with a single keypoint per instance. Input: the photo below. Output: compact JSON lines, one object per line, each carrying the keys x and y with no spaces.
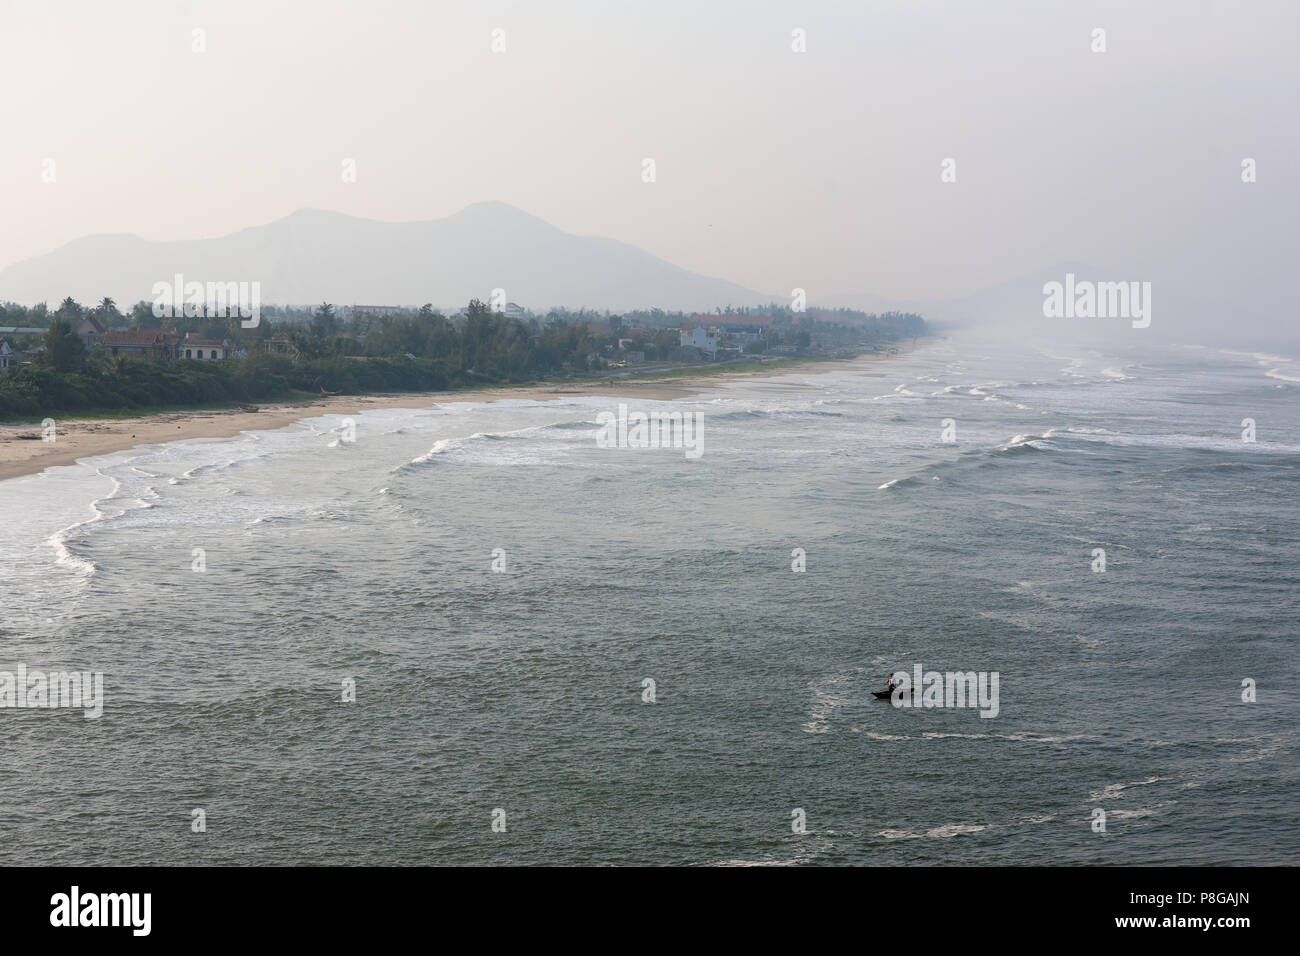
{"x":63,"y":347}
{"x":324,"y":323}
{"x":107,"y":314}
{"x":70,"y":311}
{"x":142,"y":316}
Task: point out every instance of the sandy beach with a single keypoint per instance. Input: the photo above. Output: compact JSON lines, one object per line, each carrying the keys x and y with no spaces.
{"x":23,"y":452}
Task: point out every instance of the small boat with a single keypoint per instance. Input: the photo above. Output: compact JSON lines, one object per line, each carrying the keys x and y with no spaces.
{"x":886,"y":694}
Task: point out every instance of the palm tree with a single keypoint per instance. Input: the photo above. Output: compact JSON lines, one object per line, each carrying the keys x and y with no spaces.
{"x":108,"y":314}
{"x":70,"y":311}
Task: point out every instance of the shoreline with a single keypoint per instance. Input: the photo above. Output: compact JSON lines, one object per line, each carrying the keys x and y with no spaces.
{"x":78,"y":438}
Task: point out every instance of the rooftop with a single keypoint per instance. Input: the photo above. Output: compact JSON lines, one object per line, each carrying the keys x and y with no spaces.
{"x":139,"y":337}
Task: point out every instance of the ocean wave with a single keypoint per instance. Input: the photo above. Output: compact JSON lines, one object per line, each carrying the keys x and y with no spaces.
{"x":1036,"y":738}
{"x":1016,"y":445}
{"x":63,"y":555}
{"x":444,"y":445}
{"x":807,"y":848}
{"x":584,"y":425}
{"x":1021,"y":443}
{"x":940,"y":832}
{"x":1285,"y":368}
{"x":216,"y":466}
{"x":775,"y":413}
{"x":1022,"y":737}
{"x":1280,"y":375}
{"x":1261,"y":358}
{"x":1114,"y":791}
{"x":1259,"y":753}
{"x":1139,"y":812}
{"x":267,"y":519}
{"x":59,"y":540}
{"x":1180,"y":442}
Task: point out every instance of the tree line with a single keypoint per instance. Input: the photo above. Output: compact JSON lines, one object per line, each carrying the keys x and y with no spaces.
{"x":420,"y":350}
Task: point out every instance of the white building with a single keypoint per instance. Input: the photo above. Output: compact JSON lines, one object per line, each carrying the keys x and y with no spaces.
{"x":706,"y":340}
{"x":207,"y":350}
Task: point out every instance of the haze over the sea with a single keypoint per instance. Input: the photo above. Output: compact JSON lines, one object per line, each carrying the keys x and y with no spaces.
{"x":773,"y":169}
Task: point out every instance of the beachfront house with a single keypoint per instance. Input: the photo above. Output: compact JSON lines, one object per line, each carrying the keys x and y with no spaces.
{"x":90,"y":330}
{"x":159,"y":344}
{"x":699,"y":337}
{"x":744,"y":329}
{"x":205,"y":350}
{"x":8,"y":357}
{"x":737,"y":330}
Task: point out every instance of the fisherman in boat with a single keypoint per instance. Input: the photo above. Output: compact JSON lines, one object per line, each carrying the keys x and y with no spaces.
{"x":890,"y":683}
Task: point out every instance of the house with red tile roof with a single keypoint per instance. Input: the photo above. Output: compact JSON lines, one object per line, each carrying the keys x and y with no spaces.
{"x":141,"y":343}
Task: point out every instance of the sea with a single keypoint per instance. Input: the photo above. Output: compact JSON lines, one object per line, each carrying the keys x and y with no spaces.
{"x":473,"y":633}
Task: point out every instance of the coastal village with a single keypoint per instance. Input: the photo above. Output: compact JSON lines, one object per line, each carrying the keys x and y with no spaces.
{"x":696,"y":338}
{"x":160,"y":344}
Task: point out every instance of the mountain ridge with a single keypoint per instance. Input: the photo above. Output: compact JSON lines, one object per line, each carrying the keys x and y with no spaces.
{"x":313,"y":255}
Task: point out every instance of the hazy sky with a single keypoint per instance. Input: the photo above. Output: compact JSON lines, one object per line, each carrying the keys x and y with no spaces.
{"x":774,"y":169}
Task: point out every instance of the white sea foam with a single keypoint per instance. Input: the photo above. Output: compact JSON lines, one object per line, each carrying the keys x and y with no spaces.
{"x":940,"y":832}
{"x":1285,"y":373}
{"x":1114,"y":791}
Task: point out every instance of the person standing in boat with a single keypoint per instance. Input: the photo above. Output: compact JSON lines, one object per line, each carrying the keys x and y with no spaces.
{"x":890,"y":683}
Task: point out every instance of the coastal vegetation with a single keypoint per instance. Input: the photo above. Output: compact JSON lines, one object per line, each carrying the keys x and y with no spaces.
{"x":65,"y":368}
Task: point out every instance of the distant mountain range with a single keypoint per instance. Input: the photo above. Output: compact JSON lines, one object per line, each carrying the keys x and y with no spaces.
{"x":312,"y":256}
